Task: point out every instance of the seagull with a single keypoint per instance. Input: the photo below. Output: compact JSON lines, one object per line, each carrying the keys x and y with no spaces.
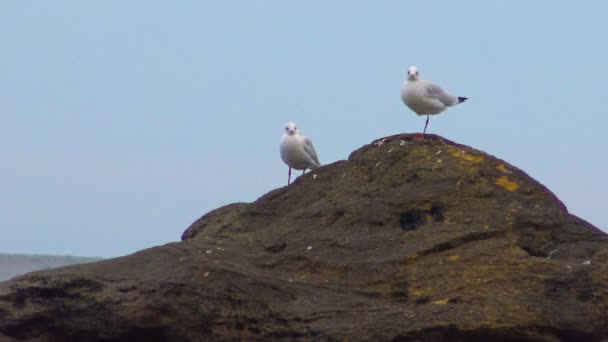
{"x":424,"y":97}
{"x":297,"y":150}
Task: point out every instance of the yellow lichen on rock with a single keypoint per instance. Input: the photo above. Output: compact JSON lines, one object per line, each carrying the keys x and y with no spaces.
{"x":466,"y":156}
{"x":503,"y":168}
{"x":441,"y":302}
{"x":507,"y":184}
{"x":473,"y":159}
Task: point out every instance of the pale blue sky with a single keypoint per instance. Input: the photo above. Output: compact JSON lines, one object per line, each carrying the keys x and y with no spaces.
{"x":121,"y":122}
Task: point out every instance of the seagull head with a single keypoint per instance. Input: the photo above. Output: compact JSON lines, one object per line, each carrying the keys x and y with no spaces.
{"x":412,"y":73}
{"x":291,"y":128}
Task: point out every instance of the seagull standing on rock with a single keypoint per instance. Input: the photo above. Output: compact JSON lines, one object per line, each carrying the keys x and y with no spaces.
{"x":424,"y":97}
{"x":297,"y":151}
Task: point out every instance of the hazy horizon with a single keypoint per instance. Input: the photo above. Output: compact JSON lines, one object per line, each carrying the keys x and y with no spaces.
{"x":12,"y":265}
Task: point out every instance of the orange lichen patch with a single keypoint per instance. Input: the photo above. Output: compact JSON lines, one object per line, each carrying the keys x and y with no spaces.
{"x":507,"y":184}
{"x":411,"y":259}
{"x":454,"y":257}
{"x":441,"y":302}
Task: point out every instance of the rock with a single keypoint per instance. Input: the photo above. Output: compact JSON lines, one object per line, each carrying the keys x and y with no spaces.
{"x":407,"y":240}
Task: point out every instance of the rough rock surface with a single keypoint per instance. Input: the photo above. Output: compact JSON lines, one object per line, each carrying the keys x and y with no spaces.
{"x":407,"y":240}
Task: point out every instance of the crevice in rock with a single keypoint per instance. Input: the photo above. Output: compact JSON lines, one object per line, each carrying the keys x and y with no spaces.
{"x":400,"y":291}
{"x":436,"y":212}
{"x":483,"y":334}
{"x":276,"y":248}
{"x":412,"y":219}
{"x":413,"y":178}
{"x":459,"y":241}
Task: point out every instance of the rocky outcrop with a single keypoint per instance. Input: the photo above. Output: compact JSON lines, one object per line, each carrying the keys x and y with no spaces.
{"x":407,"y":240}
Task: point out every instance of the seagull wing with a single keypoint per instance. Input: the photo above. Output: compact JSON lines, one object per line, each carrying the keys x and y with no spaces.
{"x":310,"y":150}
{"x":435,"y":92}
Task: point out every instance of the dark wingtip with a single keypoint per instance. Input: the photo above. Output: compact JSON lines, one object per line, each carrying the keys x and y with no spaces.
{"x":462,"y":99}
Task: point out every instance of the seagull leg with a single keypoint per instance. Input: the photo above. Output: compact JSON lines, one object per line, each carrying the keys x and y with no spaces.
{"x":426,"y":124}
{"x":303,"y":172}
{"x":289,"y":176}
{"x":421,"y":136}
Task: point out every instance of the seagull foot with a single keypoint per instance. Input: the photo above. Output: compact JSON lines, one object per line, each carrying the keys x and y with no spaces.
{"x":419,"y":137}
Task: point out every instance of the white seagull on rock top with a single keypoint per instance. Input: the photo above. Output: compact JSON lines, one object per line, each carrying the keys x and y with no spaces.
{"x":424,"y":97}
{"x":297,"y":151}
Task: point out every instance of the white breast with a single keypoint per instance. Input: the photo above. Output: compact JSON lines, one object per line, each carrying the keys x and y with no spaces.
{"x":416,"y":98}
{"x":293,"y":154}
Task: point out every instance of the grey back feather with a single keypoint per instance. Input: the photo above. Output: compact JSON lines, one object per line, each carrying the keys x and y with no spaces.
{"x":434,"y":91}
{"x":310,"y":149}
